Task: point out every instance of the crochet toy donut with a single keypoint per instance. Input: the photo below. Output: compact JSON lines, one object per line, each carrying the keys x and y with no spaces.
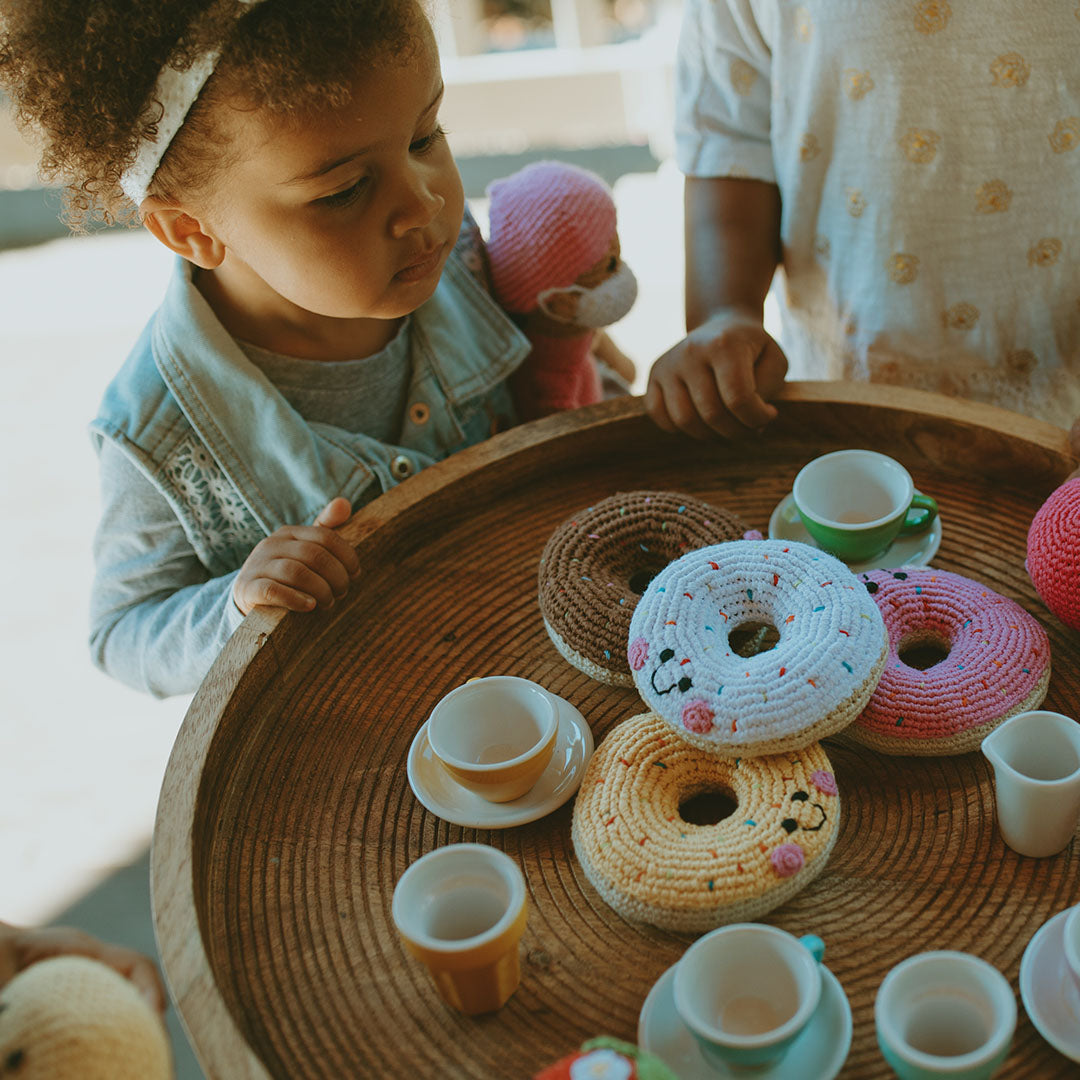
{"x":996,"y":663}
{"x":817,"y":679}
{"x":1053,"y":553}
{"x":650,"y":864}
{"x":595,"y":567}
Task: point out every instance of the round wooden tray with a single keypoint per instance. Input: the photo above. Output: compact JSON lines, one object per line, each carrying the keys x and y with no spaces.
{"x":286,"y":816}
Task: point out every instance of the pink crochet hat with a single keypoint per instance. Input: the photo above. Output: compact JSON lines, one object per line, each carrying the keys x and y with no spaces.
{"x":549,"y":223}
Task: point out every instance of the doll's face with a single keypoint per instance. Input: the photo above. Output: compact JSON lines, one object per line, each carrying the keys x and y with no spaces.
{"x":600,"y":296}
{"x":564,"y":305}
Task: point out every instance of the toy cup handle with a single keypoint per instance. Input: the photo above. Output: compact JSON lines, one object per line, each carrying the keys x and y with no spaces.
{"x":814,"y":945}
{"x":920,"y":521}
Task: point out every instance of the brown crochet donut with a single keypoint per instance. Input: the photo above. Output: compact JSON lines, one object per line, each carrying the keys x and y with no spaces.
{"x":597,"y":564}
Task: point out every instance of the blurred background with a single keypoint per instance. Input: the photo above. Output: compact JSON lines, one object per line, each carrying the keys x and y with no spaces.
{"x":82,"y":757}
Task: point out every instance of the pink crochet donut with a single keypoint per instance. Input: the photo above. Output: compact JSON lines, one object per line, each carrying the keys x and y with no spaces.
{"x":996,"y":663}
{"x":1053,"y":553}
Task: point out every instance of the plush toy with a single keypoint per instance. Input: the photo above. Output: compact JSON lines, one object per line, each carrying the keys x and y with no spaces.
{"x":1053,"y":553}
{"x":71,"y":1018}
{"x":607,"y":1059}
{"x":553,"y":255}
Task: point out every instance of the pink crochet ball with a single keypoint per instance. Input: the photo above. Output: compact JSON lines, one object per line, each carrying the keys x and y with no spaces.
{"x":1053,"y":553}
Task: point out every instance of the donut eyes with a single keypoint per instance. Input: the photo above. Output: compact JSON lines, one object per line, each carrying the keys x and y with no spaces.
{"x":900,"y":575}
{"x":685,"y":684}
{"x":871,"y":587}
{"x":799,"y":796}
{"x":789,"y":825}
{"x":666,"y":655}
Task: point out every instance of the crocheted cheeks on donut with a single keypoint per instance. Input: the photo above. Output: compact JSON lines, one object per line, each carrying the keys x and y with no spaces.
{"x":989,"y":659}
{"x":596,"y":565}
{"x":815,"y":681}
{"x":651,"y":864}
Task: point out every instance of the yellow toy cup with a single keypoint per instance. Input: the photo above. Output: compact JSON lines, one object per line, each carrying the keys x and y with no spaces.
{"x":461,"y":910}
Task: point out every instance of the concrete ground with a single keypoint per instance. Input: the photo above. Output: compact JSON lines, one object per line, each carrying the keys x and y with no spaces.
{"x":81,"y":757}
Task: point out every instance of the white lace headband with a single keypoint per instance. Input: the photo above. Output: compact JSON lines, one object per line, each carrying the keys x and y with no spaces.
{"x":176,"y":91}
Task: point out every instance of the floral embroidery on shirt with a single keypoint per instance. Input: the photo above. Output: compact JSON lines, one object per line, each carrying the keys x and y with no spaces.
{"x":919,"y":145}
{"x":1020,"y":361}
{"x":932,"y":16}
{"x":213,"y":501}
{"x":809,"y":147}
{"x":856,"y":204}
{"x":1010,"y":69}
{"x":804,"y":27}
{"x":822,"y":247}
{"x":1066,"y":135}
{"x":857,"y":84}
{"x":993,"y":197}
{"x":743,"y":77}
{"x":903,"y":268}
{"x":1045,"y":252}
{"x":962,"y":316}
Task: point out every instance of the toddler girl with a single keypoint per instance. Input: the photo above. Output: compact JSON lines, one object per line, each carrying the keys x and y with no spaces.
{"x":326,"y":332}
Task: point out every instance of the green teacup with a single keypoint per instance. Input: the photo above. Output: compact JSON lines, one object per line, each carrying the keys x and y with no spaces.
{"x":855,"y":503}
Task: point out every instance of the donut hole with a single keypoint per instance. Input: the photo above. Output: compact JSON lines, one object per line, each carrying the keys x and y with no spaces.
{"x":708,"y":806}
{"x":750,"y":638}
{"x":640,"y":578}
{"x":923,"y":649}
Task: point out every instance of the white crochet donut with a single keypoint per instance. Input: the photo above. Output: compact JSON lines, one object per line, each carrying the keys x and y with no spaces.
{"x":650,"y":863}
{"x":817,"y":679}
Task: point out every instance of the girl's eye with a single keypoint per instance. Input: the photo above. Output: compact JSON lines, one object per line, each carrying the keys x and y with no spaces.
{"x":422,"y":146}
{"x":345,"y":197}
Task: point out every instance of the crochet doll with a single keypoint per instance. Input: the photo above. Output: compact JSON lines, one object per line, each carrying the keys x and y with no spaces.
{"x":607,"y":1059}
{"x":553,"y":255}
{"x":73,"y":1018}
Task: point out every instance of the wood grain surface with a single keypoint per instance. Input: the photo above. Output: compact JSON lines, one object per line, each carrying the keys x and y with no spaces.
{"x":286,"y":816}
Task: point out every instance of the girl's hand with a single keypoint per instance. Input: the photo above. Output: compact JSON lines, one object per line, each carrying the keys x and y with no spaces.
{"x":299,"y":567}
{"x":19,"y":948}
{"x":717,"y":380}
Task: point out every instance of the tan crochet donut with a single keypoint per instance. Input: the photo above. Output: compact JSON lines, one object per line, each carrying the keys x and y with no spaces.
{"x":651,"y":865}
{"x":597,"y":564}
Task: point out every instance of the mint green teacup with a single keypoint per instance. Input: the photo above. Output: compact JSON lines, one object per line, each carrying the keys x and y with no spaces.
{"x":746,"y":992}
{"x":855,"y":503}
{"x":945,"y":1016}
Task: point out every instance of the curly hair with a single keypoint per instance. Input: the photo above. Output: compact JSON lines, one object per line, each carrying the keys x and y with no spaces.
{"x":81,"y":74}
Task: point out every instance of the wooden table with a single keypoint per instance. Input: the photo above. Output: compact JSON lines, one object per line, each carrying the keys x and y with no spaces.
{"x":286,"y":816}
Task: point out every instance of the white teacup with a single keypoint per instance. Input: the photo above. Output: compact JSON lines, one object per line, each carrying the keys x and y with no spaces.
{"x":461,"y":910}
{"x":495,"y":736}
{"x":1036,"y":760}
{"x":746,"y":992}
{"x":947,"y":1014}
{"x":1072,"y":946}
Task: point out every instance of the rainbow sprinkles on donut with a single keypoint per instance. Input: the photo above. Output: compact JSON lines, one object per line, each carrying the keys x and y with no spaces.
{"x":815,"y":681}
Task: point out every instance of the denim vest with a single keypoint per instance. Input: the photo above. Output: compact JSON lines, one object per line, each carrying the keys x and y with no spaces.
{"x":236,"y":461}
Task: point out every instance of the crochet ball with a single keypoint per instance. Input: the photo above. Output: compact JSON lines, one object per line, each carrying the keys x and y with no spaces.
{"x":1053,"y":553}
{"x":71,"y":1018}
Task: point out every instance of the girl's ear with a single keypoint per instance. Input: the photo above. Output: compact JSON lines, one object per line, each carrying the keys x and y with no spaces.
{"x":182,"y":233}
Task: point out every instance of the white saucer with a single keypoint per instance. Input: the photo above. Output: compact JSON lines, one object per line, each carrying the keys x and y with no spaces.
{"x":442,"y":795}
{"x":1048,"y":993}
{"x":820,"y":1051}
{"x":917,"y":550}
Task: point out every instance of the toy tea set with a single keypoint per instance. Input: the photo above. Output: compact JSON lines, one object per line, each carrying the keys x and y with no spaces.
{"x":746,"y":652}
